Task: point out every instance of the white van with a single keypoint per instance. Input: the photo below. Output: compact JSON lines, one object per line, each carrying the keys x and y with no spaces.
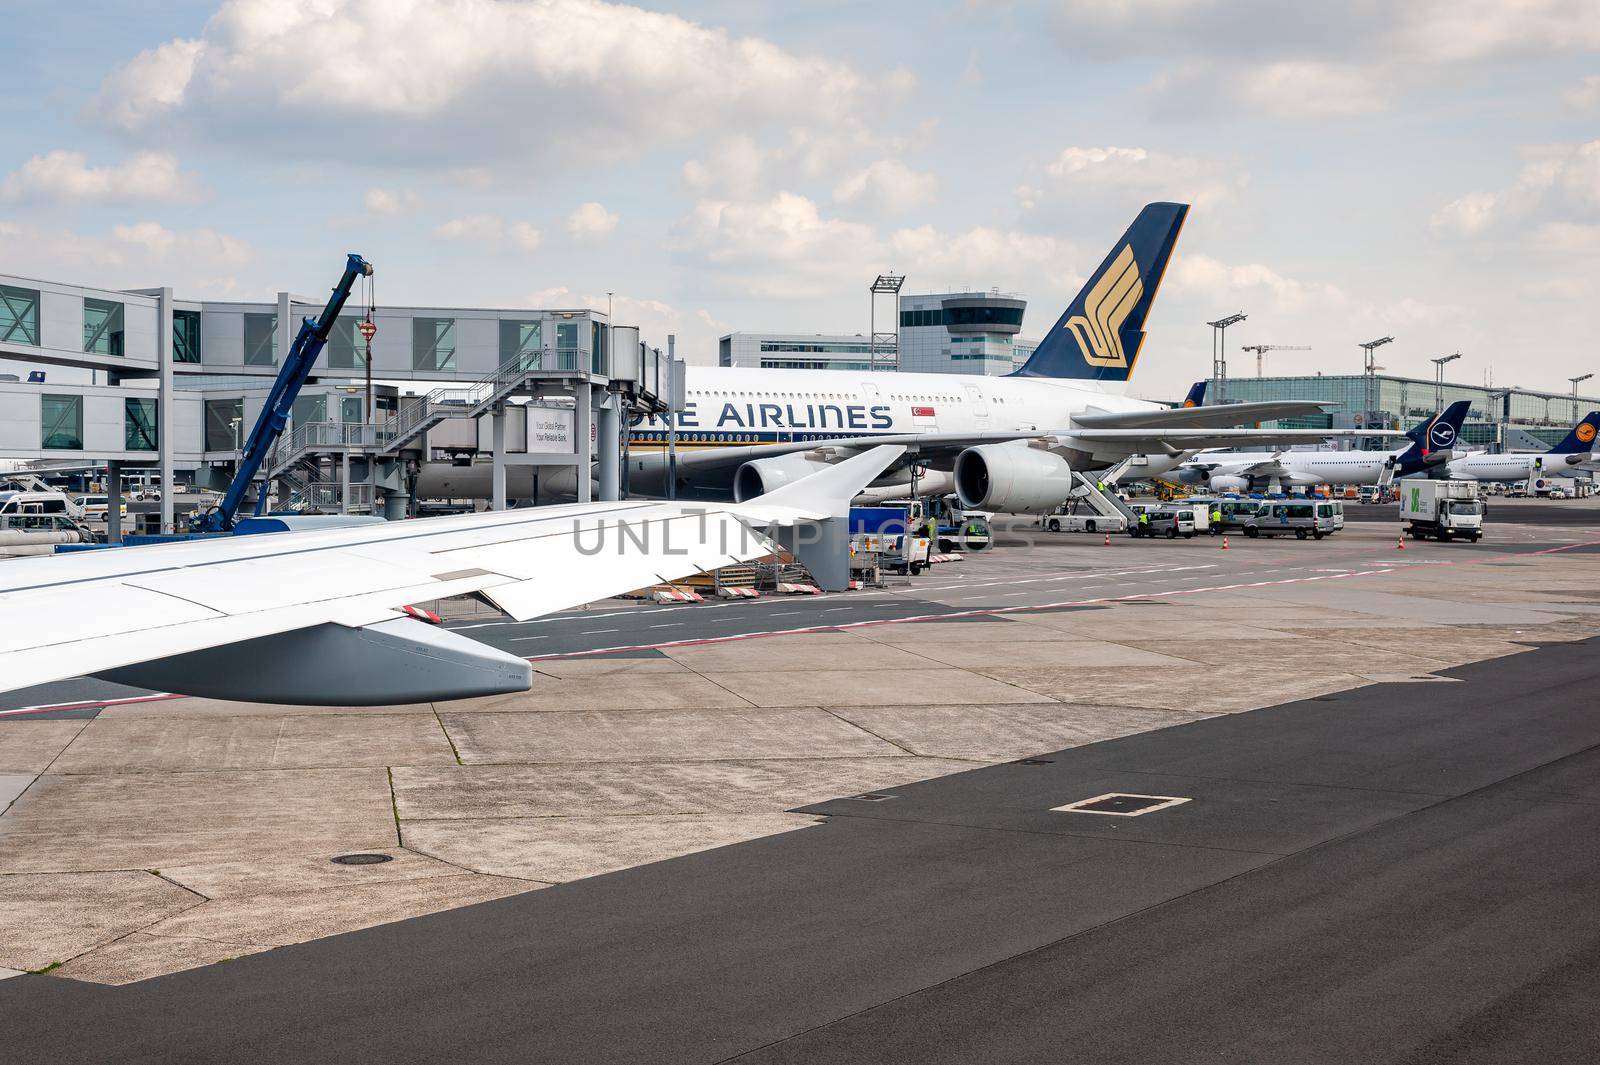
{"x":15,"y":504}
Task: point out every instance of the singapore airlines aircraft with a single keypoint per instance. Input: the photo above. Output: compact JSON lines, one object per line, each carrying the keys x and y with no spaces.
{"x":1432,"y":441}
{"x":1573,"y":453}
{"x":1003,"y":443}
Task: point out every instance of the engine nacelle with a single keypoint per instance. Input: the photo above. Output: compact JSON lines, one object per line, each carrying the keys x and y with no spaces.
{"x":1012,"y":478}
{"x":1227,"y":483}
{"x":760,"y":476}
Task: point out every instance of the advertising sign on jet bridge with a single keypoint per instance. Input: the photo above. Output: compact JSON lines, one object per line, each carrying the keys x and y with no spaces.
{"x":552,"y":429}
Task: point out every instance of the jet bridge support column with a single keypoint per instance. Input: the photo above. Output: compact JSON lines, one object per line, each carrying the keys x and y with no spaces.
{"x":113,"y":502}
{"x":164,"y":404}
{"x":498,"y":491}
{"x":610,"y":442}
{"x":583,"y":400}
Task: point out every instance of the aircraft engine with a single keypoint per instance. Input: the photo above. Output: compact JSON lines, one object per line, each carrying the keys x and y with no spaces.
{"x":1229,"y":484}
{"x":1012,"y":479}
{"x":760,"y":476}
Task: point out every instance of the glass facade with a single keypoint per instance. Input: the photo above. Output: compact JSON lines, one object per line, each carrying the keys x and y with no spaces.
{"x":261,"y":340}
{"x":433,"y":344}
{"x":102,"y":327}
{"x":19,"y":315}
{"x":814,"y":364}
{"x":185,"y":336}
{"x":598,"y":361}
{"x":347,"y":348}
{"x":1401,"y":402}
{"x":350,"y":409}
{"x":224,"y":430}
{"x":61,"y":422}
{"x":962,"y":316}
{"x":139,"y":424}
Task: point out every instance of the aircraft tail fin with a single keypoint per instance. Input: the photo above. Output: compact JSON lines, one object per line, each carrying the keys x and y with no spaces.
{"x":1196,"y":396}
{"x":1581,"y":438}
{"x":1099,"y":336}
{"x":1438,"y":433}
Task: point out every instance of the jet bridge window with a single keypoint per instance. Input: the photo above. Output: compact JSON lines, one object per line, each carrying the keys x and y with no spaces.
{"x":19,"y":315}
{"x":433,"y":344}
{"x":61,"y":422}
{"x":346,"y":348}
{"x":102,"y":327}
{"x":260,"y":339}
{"x":139,"y":424}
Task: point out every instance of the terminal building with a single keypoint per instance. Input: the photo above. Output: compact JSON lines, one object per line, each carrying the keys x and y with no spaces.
{"x":1500,"y":418}
{"x":142,"y":379}
{"x":942,"y":332}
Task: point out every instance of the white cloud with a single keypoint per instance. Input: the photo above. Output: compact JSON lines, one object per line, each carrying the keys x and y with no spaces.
{"x":504,"y":80}
{"x":1250,"y":282}
{"x":786,"y":248}
{"x":887,"y":186}
{"x":67,"y":177}
{"x":199,"y":263}
{"x":389,"y":201}
{"x":1467,"y":214}
{"x":782,"y":246}
{"x":1558,"y":185}
{"x":1320,"y":61}
{"x":490,"y":231}
{"x":1584,"y":96}
{"x":1189,"y":179}
{"x":591,"y":221}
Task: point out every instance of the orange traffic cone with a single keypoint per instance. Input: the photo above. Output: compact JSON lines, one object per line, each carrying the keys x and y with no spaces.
{"x":1108,"y":540}
{"x":1224,"y":543}
{"x":1400,"y":542}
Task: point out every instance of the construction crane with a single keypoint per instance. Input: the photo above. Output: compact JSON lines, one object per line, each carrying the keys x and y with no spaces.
{"x":1262,"y":349}
{"x":308,"y":344}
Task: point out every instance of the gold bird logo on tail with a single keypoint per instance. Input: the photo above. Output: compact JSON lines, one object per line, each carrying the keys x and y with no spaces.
{"x":1098,"y":330}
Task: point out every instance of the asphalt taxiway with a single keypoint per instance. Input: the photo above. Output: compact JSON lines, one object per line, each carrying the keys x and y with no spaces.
{"x":669,"y":861}
{"x":1400,"y":873}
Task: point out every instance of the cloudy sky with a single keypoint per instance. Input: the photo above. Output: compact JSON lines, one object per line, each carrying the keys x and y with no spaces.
{"x":1428,"y":169}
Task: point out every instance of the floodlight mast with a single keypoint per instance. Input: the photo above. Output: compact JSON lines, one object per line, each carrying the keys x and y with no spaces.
{"x":1219,"y":353}
{"x":1370,"y":373}
{"x":885,"y":285}
{"x":1576,"y":381}
{"x":1438,"y":378}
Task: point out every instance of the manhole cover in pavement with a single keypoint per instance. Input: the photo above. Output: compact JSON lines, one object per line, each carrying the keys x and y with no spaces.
{"x":1120,"y":804}
{"x":362,"y":859}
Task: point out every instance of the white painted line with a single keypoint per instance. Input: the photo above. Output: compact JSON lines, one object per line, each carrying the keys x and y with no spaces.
{"x":596,"y":632}
{"x":525,"y":639}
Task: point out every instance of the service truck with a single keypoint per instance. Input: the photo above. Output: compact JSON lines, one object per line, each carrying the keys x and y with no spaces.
{"x":1441,"y":509}
{"x":897,"y":535}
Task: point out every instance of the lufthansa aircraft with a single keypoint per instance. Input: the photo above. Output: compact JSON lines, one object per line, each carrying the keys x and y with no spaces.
{"x":1573,"y":453}
{"x":1432,"y":441}
{"x":1003,"y":443}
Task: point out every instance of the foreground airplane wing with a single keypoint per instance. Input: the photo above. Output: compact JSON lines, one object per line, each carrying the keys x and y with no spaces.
{"x":319,"y":617}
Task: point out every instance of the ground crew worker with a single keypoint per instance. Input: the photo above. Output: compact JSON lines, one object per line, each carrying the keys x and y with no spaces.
{"x":1144,"y":521}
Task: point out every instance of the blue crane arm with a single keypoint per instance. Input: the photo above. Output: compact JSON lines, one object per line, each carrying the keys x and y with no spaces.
{"x":302,"y":356}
